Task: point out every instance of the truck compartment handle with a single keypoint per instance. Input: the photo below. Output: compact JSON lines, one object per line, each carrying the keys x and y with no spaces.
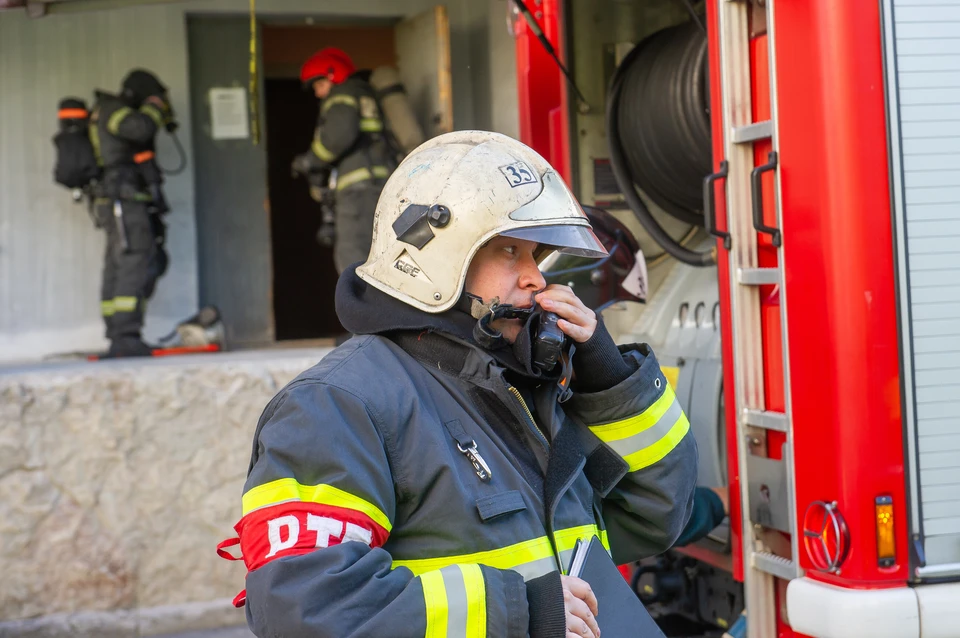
{"x":757,"y":193}
{"x":710,"y":204}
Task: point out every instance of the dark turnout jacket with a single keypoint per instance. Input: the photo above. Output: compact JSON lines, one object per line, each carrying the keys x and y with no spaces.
{"x":404,"y":486}
{"x":351,"y":134}
{"x":121,"y":136}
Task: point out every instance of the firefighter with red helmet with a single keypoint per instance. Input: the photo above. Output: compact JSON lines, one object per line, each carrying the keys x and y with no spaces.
{"x":350,"y":138}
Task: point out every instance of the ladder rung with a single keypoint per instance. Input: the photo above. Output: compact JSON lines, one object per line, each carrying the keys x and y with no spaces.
{"x":758,"y":276}
{"x":752,"y":132}
{"x":765,"y":419}
{"x":775,"y":565}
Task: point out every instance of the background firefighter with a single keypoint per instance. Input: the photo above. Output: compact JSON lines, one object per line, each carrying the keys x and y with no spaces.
{"x":350,"y":137}
{"x":129,"y":204}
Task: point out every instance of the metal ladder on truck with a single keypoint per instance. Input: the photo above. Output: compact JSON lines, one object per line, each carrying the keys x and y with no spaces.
{"x":766,"y":485}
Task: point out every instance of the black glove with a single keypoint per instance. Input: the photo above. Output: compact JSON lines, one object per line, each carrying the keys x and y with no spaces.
{"x":302,"y":164}
{"x":327,"y":235}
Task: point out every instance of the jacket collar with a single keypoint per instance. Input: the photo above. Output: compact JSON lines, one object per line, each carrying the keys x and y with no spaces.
{"x":363,"y":309}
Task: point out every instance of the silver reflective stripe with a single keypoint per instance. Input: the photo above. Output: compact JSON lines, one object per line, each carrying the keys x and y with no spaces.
{"x":637,"y":442}
{"x":456,"y":601}
{"x":536,"y":568}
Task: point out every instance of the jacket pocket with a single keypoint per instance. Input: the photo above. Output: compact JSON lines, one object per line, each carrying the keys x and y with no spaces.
{"x":490,"y":507}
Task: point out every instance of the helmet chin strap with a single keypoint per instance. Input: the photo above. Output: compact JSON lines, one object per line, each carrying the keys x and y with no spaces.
{"x":490,"y":338}
{"x":486,"y":313}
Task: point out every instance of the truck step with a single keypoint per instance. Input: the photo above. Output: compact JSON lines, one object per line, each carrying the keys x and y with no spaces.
{"x":766,"y":419}
{"x":752,"y":132}
{"x":758,"y":276}
{"x":775,"y":565}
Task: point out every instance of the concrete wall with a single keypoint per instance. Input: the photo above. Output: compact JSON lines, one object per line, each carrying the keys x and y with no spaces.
{"x":50,"y":254}
{"x":117,"y":481}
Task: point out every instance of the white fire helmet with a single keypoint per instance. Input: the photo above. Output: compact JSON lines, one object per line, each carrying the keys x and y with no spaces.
{"x":449,"y":197}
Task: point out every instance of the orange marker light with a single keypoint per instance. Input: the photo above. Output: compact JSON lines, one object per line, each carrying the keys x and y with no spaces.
{"x":886,"y":549}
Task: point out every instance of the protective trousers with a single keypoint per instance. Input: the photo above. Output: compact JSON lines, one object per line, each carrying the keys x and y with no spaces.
{"x":356,"y":206}
{"x":133,"y":262}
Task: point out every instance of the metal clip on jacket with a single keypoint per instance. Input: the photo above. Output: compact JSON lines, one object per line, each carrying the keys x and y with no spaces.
{"x":479,"y":465}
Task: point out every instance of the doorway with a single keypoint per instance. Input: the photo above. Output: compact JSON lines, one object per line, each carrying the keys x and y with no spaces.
{"x":304,"y":277}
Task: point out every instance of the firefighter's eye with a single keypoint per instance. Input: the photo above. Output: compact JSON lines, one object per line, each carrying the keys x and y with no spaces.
{"x":511,"y":249}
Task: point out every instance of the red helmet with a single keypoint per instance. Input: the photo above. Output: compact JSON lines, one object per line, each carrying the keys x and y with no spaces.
{"x":331,"y":63}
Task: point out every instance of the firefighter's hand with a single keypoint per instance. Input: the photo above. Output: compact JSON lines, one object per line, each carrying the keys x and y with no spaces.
{"x":161,"y":103}
{"x":581,"y":608}
{"x":576,"y":320}
{"x":301,"y":165}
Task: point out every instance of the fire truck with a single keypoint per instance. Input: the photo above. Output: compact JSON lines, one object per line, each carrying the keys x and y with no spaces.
{"x":796,"y":165}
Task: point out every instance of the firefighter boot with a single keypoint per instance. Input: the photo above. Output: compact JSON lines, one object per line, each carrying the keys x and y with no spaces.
{"x":128,"y":346}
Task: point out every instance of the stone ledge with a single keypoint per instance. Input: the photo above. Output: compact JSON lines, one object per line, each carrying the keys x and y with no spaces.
{"x":167,"y":620}
{"x":117,"y":481}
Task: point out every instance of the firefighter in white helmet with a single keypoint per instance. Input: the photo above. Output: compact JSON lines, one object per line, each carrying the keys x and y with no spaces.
{"x":431,"y":476}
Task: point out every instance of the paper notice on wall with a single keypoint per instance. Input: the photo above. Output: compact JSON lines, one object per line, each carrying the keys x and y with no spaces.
{"x":636,"y":280}
{"x":228,"y":114}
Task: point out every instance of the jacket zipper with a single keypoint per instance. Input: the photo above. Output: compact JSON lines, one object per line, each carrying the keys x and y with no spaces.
{"x":533,"y":424}
{"x":543,"y":441}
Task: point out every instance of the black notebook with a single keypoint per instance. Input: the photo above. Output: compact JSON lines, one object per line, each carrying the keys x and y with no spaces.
{"x":622,"y":615}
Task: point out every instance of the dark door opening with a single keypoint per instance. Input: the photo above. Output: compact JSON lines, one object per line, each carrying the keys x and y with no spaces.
{"x":304,"y":278}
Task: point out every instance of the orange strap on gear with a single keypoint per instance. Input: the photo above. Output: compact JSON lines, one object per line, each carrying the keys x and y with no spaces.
{"x":73,"y":114}
{"x":145,"y":156}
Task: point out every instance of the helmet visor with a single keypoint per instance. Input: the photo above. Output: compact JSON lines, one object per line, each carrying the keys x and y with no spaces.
{"x":565,"y":238}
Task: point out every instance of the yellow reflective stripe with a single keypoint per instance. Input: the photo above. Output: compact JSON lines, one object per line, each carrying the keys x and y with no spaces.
{"x":644,"y":439}
{"x":94,"y":134}
{"x":361,"y":174}
{"x":124,"y":304}
{"x":530,"y":558}
{"x":288,"y":489}
{"x":455,"y":599}
{"x":333,"y":100}
{"x":113,"y":124}
{"x":321,"y":151}
{"x":154,"y":113}
{"x":636,"y":424}
{"x":476,"y":601}
{"x":566,"y":540}
{"x":371,"y":125}
{"x":503,"y":558}
{"x":106,"y":308}
{"x":653,"y":453}
{"x":435,"y":600}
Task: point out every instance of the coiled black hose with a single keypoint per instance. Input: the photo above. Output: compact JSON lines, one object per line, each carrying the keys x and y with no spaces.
{"x":658,"y":128}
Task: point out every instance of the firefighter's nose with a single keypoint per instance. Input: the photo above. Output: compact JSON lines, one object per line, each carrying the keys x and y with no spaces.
{"x":530,"y":276}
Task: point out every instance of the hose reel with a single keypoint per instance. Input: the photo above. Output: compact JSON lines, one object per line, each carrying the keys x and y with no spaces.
{"x":658,"y":124}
